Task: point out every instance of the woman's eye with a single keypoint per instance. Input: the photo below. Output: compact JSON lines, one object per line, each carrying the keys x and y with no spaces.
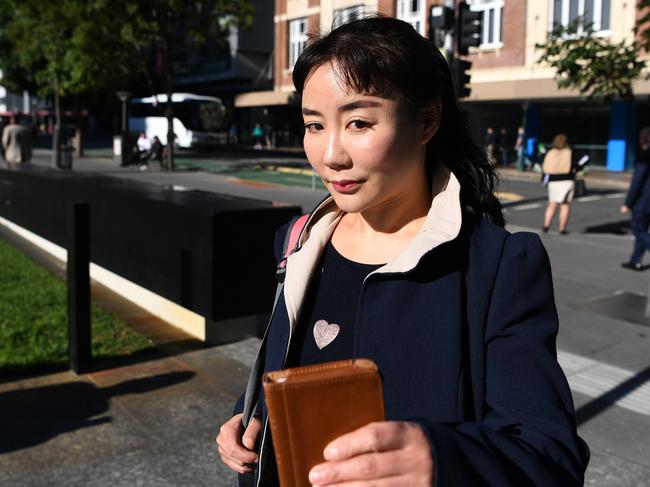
{"x":359,"y":124}
{"x":313,"y":127}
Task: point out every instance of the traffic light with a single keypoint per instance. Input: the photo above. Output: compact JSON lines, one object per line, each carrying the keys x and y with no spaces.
{"x":461,"y":78}
{"x":441,"y":18}
{"x":441,"y":21}
{"x":468,"y":29}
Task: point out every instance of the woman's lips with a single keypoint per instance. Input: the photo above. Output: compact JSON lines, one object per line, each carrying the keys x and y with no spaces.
{"x":346,"y":186}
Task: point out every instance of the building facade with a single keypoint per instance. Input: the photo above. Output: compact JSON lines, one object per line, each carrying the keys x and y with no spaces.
{"x":509,"y":87}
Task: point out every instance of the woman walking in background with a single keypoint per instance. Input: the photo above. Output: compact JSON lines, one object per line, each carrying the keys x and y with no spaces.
{"x":560,"y":174}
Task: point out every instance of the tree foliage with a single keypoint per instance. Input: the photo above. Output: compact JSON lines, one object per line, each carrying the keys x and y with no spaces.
{"x":157,"y":29}
{"x":642,"y":26}
{"x":91,"y":47}
{"x":592,"y":64}
{"x":69,"y":46}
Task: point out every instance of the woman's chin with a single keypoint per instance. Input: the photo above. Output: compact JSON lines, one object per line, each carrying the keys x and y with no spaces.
{"x":349,"y":203}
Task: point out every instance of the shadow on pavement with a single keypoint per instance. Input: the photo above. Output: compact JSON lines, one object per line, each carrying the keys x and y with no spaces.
{"x":620,"y":305}
{"x":598,"y":405}
{"x":617,"y":228}
{"x":29,"y":417}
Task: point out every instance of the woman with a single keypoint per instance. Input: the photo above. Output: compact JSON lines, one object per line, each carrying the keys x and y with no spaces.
{"x":561,"y":177}
{"x":409,"y":259}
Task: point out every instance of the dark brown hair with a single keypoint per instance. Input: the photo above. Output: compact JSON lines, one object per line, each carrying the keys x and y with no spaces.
{"x":560,"y":141}
{"x":386,"y":57}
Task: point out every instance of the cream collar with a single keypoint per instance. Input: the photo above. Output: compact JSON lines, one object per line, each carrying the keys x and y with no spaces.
{"x":441,"y":225}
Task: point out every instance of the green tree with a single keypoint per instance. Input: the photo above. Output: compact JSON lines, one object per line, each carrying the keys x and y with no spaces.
{"x":84,"y":48}
{"x":69,"y":48}
{"x":642,"y":26}
{"x":161,"y":27}
{"x":594,"y":65}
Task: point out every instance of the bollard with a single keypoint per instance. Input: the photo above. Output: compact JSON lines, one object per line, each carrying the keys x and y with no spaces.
{"x":79,"y":286}
{"x":647,"y":302}
{"x":186,"y":278}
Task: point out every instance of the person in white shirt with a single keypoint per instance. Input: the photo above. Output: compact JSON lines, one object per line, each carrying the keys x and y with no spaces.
{"x":144,"y":144}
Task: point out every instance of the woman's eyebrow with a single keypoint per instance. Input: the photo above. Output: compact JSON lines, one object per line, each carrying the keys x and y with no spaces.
{"x":353,"y":105}
{"x":358,"y":104}
{"x":309,"y":111}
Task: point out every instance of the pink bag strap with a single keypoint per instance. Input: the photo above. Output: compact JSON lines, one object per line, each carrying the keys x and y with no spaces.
{"x":291,"y":244}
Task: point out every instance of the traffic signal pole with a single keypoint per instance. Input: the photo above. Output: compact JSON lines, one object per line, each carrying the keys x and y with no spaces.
{"x":449,"y":36}
{"x":454,"y":29}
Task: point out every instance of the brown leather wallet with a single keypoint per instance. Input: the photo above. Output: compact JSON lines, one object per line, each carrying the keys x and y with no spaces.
{"x":311,"y":406}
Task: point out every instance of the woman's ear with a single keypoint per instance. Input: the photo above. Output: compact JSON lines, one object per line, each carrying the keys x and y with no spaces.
{"x":430,"y":119}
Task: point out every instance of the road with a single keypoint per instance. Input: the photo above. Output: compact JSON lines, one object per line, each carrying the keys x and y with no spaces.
{"x":603,"y":343}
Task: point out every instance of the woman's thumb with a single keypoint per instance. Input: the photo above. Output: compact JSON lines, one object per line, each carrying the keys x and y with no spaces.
{"x":252,"y":433}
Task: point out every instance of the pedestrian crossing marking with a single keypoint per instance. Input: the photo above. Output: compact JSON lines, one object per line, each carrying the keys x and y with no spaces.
{"x":507,"y":196}
{"x":594,"y":379}
{"x":529,"y":206}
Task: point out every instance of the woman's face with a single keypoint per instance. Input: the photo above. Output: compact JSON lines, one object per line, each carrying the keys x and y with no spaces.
{"x":369,"y":151}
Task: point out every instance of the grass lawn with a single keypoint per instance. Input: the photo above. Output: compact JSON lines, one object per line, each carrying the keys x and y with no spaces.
{"x":33,"y":319}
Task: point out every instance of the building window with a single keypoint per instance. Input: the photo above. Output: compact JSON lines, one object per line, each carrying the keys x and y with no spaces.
{"x":594,"y":13}
{"x":413,"y":12}
{"x":345,"y":15}
{"x":297,"y":39}
{"x":491,"y":21}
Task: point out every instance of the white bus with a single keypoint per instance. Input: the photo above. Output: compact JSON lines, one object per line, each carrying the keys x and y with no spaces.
{"x":198,"y":120}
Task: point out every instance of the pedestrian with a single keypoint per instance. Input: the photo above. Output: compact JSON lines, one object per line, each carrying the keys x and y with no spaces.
{"x":560,"y":175}
{"x":232,"y":134}
{"x":504,"y":147}
{"x":143,"y":144}
{"x":490,"y":143}
{"x":258,"y":137}
{"x":637,"y":203}
{"x":519,"y":149}
{"x":16,"y":143}
{"x":409,"y":258}
{"x":155,"y":154}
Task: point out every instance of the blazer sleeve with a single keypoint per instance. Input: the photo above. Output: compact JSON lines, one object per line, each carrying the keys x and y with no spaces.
{"x":528,"y":435}
{"x":638,"y":181}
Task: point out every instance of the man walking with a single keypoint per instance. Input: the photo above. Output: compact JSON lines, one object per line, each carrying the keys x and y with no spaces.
{"x":638,"y":203}
{"x":16,"y":143}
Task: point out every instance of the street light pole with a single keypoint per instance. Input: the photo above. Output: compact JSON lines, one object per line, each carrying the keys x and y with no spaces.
{"x":124,"y":96}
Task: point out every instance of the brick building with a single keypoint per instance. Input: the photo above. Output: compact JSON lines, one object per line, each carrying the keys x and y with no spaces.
{"x":509,"y":87}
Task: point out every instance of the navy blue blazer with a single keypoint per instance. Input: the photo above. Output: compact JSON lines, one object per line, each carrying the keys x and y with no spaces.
{"x":638,"y":196}
{"x":466,"y":347}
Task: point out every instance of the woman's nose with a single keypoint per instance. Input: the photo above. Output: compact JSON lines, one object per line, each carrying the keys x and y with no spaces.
{"x":335,"y":156}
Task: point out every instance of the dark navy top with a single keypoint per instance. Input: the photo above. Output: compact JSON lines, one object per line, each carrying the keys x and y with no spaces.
{"x":325,"y":330}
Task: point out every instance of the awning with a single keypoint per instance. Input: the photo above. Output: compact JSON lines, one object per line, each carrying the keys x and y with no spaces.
{"x":263,"y":98}
{"x":544,"y":89}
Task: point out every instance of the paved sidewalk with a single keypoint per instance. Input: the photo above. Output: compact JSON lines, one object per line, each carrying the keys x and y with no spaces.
{"x":148,"y":424}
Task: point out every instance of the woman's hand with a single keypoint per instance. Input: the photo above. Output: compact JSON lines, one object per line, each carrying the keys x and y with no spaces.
{"x":236,"y":450}
{"x":625,"y":209}
{"x":378,"y":454}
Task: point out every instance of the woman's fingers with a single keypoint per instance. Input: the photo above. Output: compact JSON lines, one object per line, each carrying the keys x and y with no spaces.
{"x":252,"y":433}
{"x":388,"y":482}
{"x":374,"y":437}
{"x":370,"y":466}
{"x":396,"y":452}
{"x":233,"y":452}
